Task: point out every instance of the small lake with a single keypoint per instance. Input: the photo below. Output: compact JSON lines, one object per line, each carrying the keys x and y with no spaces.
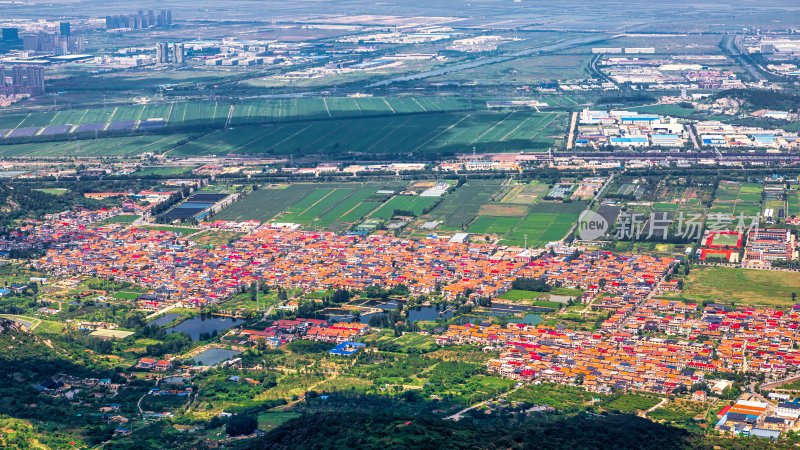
{"x":505,"y":308}
{"x":164,"y":320}
{"x":431,"y":313}
{"x":214,"y":356}
{"x":198,"y":325}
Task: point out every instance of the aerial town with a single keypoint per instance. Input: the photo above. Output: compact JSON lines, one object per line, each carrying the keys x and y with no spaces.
{"x":406,"y":225}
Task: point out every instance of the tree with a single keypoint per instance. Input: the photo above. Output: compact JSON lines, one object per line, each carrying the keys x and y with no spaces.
{"x":340,"y":296}
{"x":241,"y":425}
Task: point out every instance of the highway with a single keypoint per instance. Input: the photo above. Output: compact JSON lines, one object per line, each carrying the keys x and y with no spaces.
{"x":561,"y":45}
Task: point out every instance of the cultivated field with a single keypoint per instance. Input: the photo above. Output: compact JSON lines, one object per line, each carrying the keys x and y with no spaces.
{"x":265,"y":203}
{"x":216,"y":113}
{"x":329,"y":206}
{"x":114,"y":146}
{"x":400,"y":134}
{"x":544,"y":222}
{"x":460,"y":208}
{"x":415,"y":204}
{"x":738,"y":198}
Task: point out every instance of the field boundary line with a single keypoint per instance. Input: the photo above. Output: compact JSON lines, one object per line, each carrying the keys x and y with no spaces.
{"x":230,"y":116}
{"x":419,"y":104}
{"x":293,"y":135}
{"x":169,"y":113}
{"x":545,"y":125}
{"x":514,"y":130}
{"x":489,"y":130}
{"x":317,"y":202}
{"x":453,"y":125}
{"x":389,"y":105}
{"x":21,"y":122}
{"x":325,"y":102}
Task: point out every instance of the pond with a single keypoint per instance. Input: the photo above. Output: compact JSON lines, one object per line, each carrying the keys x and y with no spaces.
{"x":213,"y":356}
{"x":510,"y":309}
{"x":200,"y":324}
{"x":164,"y":320}
{"x":431,"y":313}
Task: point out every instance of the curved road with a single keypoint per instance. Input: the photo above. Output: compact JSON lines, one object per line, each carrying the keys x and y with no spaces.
{"x":561,"y":45}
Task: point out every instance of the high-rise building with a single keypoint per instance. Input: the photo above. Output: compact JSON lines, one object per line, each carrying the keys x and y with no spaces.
{"x":162,"y":53}
{"x":24,"y":80}
{"x":64,"y":29}
{"x":141,"y":20}
{"x":178,"y":53}
{"x":10,"y":35}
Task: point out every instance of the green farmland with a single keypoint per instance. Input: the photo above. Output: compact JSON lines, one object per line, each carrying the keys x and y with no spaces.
{"x":417,"y":205}
{"x":461,"y":207}
{"x":264,"y":204}
{"x":252,"y":111}
{"x":400,"y":134}
{"x":128,"y":146}
{"x":738,"y":198}
{"x":329,"y":206}
{"x":196,"y":130}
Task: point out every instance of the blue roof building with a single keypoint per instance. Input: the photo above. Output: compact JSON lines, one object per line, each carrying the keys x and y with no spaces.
{"x":347,"y":349}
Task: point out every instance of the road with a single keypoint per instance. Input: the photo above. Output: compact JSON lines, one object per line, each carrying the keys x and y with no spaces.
{"x":731,"y":45}
{"x":457,"y":416}
{"x":663,"y":402}
{"x":695,"y":142}
{"x":572,"y":122}
{"x":139,"y":403}
{"x":561,"y":45}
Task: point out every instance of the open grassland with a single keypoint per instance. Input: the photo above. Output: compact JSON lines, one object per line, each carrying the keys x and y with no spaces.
{"x":740,"y":286}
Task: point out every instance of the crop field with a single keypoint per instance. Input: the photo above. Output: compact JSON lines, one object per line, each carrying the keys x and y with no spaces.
{"x":265,"y":203}
{"x":793,"y":200}
{"x":163,"y":170}
{"x":247,"y":112}
{"x":526,"y":194}
{"x":740,"y":286}
{"x":334,"y":207}
{"x":738,"y":198}
{"x":447,"y":132}
{"x":415,"y":204}
{"x":460,"y":207}
{"x":529,"y":70}
{"x":350,"y":210}
{"x":544,"y":222}
{"x":308,"y":132}
{"x":330,"y":206}
{"x":115,"y":146}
